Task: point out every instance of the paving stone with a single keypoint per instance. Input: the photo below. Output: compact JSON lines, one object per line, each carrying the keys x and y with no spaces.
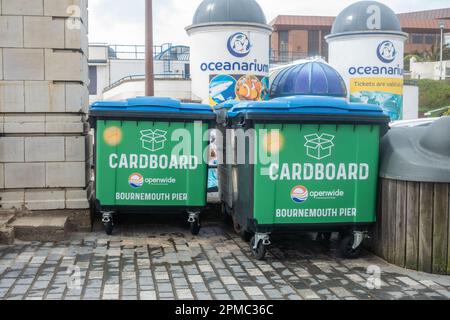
{"x":12,"y":274}
{"x":7,"y":283}
{"x":308,"y":294}
{"x":253,"y":291}
{"x":161,"y":276}
{"x":411,"y":283}
{"x":184,"y":294}
{"x":92,"y":293}
{"x":111,"y":289}
{"x":203,"y":296}
{"x":164,"y":287}
{"x":19,"y":289}
{"x":146,"y":281}
{"x":229,"y":280}
{"x":195,"y":279}
{"x":274,"y":294}
{"x":147,"y":295}
{"x":3,"y":292}
{"x":110,"y":296}
{"x":122,"y":267}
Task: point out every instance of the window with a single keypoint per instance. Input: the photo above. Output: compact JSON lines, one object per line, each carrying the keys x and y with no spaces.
{"x":447,"y":39}
{"x":430,"y":39}
{"x":417,"y":38}
{"x":187,"y":71}
{"x":325,"y":44}
{"x":313,"y":42}
{"x":92,"y":80}
{"x":284,"y":41}
{"x":283,"y":45}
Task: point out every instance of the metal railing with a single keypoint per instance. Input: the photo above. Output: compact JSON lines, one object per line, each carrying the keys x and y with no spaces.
{"x":278,"y":57}
{"x":137,"y":52}
{"x":141,"y":77}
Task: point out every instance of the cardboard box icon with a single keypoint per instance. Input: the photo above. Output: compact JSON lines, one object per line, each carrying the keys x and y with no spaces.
{"x":319,"y":147}
{"x":153,"y":140}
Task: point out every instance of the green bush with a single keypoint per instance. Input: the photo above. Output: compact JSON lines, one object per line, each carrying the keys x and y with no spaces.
{"x":433,"y":94}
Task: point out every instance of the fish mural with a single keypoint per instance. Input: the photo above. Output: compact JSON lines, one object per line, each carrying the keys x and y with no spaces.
{"x":238,"y":87}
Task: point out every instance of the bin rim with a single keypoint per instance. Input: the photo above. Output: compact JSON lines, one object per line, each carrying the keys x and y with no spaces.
{"x":148,"y":107}
{"x":302,"y":105}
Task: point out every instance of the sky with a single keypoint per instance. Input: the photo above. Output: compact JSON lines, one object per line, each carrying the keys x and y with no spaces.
{"x":122,"y":21}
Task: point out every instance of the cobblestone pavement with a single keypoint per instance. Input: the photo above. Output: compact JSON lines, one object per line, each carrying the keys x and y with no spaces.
{"x":158,"y":261}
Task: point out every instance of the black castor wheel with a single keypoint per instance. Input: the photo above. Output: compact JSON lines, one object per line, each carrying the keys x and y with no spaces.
{"x":109,"y":227}
{"x":236,"y":226}
{"x":195,"y":227}
{"x":346,"y":247}
{"x":260,"y":252}
{"x":226,"y":216}
{"x":245,"y":236}
{"x":324,"y":236}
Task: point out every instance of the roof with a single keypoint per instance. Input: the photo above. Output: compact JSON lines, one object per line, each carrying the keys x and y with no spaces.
{"x":223,"y":11}
{"x":427,"y":15}
{"x":411,"y":20}
{"x":288,"y":20}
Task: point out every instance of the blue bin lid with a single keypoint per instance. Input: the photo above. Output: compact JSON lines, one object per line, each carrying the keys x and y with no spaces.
{"x":308,"y":78}
{"x":151,"y":107}
{"x":303,"y":105}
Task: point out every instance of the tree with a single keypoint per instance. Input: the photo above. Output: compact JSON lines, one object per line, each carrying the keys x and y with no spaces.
{"x":416,"y":56}
{"x":435,"y":53}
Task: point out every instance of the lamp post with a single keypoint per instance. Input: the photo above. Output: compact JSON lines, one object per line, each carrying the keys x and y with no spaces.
{"x":149,"y":72}
{"x":442,"y":26}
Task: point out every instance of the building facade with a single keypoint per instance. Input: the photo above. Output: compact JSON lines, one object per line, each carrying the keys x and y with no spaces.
{"x":44,"y":144}
{"x":118,"y":71}
{"x":297,"y":37}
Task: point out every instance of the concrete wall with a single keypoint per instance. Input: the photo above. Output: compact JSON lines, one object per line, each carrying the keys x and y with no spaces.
{"x":109,"y":71}
{"x":118,"y":69}
{"x":44,"y":146}
{"x":410,"y":102}
{"x":429,"y":70}
{"x":298,"y":41}
{"x":177,"y":89}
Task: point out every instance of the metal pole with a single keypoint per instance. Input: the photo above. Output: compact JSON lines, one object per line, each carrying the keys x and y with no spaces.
{"x":149,"y":72}
{"x":442,"y":25}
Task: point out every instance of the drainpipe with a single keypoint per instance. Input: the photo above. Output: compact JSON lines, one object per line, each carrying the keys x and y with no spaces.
{"x":149,"y":72}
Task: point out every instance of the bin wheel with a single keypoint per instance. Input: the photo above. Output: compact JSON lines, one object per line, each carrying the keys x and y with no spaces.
{"x":225,"y":214}
{"x":346,"y":247}
{"x":324,"y":236}
{"x":246,"y":236}
{"x":236,"y":226}
{"x":195,"y":227}
{"x":109,"y":227}
{"x":260,"y":252}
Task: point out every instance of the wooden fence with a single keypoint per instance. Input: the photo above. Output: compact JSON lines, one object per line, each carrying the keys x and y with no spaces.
{"x":413,"y":229}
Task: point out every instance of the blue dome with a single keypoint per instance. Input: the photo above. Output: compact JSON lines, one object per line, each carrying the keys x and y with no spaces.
{"x":310,"y":78}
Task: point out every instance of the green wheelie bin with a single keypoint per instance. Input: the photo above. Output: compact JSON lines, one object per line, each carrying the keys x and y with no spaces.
{"x":150,"y":157}
{"x":301,"y":163}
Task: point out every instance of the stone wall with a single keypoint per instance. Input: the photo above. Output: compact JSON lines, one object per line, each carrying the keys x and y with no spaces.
{"x":44,"y":145}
